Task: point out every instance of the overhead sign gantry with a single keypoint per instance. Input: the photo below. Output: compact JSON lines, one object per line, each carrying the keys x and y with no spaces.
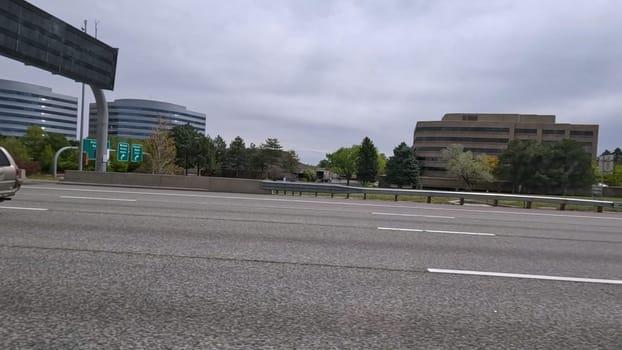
{"x":36,"y":38}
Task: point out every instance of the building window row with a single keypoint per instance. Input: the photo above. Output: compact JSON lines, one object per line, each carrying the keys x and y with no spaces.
{"x":39,"y":103}
{"x":132,"y":134}
{"x":462,"y":129}
{"x":35,"y":119}
{"x":581,"y":133}
{"x":144,"y":124}
{"x":469,"y":117}
{"x":157,"y":111}
{"x":462,"y":139}
{"x":466,"y":149}
{"x":553,"y":132}
{"x":151,"y":118}
{"x":41,"y":97}
{"x":9,"y":131}
{"x":45,"y":127}
{"x":525,"y":131}
{"x":38,"y":110}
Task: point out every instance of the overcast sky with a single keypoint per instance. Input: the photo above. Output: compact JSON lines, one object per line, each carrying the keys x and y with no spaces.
{"x":319,"y":74}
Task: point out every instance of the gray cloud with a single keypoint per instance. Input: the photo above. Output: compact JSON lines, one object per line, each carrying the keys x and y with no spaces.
{"x":321,"y":75}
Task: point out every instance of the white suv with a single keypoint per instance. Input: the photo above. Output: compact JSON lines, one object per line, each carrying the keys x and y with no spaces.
{"x":9,"y":179}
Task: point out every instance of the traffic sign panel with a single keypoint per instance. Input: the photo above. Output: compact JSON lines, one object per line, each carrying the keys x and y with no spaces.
{"x":123,"y":151}
{"x":89,"y":146}
{"x":137,"y":152}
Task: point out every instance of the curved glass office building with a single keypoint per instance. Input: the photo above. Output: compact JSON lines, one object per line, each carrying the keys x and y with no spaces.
{"x":23,"y":105}
{"x":134,"y":118}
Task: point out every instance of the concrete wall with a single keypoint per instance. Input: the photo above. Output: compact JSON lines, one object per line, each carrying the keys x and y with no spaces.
{"x":204,"y":183}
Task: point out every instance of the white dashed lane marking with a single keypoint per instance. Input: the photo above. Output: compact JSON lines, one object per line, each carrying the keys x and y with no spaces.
{"x":415,"y":215}
{"x":436,"y":231}
{"x":100,"y":198}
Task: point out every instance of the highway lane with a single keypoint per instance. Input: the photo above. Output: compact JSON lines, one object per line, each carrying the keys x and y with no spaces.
{"x":165,"y":268}
{"x":295,"y":230}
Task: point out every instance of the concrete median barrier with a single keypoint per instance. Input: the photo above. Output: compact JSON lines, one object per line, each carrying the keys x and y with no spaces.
{"x":203,"y":183}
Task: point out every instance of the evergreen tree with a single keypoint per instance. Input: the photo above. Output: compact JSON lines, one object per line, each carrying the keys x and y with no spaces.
{"x":403,"y":168}
{"x":206,"y":156}
{"x":186,"y":143}
{"x":367,"y":162}
{"x":272,"y":155}
{"x":290,"y":162}
{"x":220,"y":154}
{"x":236,"y":157}
{"x":257,"y":161}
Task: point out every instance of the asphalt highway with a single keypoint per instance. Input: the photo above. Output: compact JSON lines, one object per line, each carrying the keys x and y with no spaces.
{"x":107,"y":267}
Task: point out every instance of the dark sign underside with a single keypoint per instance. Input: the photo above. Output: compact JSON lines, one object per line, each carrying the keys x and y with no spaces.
{"x":34,"y":37}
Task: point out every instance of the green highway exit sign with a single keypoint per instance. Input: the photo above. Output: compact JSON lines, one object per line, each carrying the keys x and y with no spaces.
{"x":90,"y":147}
{"x":137,"y":152}
{"x":123,"y":151}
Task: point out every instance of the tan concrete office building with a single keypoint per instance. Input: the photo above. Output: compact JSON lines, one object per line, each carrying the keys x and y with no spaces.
{"x":490,"y":134}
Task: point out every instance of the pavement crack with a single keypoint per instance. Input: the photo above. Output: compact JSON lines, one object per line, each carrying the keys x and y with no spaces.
{"x":197,"y":257}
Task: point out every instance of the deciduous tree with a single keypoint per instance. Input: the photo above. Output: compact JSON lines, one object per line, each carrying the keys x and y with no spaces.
{"x":571,"y":165}
{"x":160,"y":146}
{"x":16,"y":147}
{"x":343,"y":161}
{"x":463,"y":165}
{"x":546,"y":168}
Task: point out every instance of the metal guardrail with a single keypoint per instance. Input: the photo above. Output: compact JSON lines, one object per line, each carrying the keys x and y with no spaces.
{"x":332,"y":189}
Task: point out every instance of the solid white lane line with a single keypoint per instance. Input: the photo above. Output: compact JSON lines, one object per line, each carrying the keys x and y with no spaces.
{"x":527,"y":276}
{"x":22,"y":208}
{"x":436,"y":231}
{"x":414,"y":215}
{"x":100,"y":198}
